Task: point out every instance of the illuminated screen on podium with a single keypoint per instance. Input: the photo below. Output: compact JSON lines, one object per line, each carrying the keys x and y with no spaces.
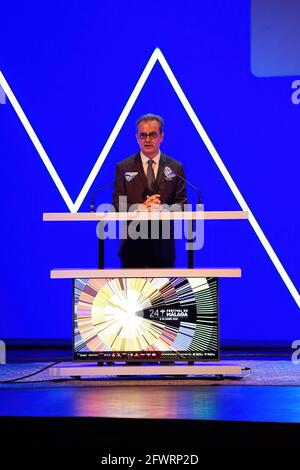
{"x":145,"y":319}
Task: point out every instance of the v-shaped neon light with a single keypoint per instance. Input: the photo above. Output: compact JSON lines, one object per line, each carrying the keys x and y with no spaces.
{"x":157,"y":56}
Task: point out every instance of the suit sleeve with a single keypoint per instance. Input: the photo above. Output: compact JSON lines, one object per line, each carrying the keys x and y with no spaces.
{"x":119,"y":187}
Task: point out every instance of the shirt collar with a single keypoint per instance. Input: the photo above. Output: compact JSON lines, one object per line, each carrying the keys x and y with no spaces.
{"x":155,"y":159}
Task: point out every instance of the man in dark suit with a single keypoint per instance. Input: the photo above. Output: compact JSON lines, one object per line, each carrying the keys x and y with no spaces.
{"x":144,"y":180}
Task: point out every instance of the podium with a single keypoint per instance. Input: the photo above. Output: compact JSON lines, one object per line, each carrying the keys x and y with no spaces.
{"x":101,"y":217}
{"x":147,"y":316}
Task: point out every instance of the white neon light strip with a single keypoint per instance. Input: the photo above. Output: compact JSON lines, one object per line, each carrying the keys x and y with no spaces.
{"x":115,"y":132}
{"x":2,"y":96}
{"x":36,"y":142}
{"x":229,"y":180}
{"x":74,"y":207}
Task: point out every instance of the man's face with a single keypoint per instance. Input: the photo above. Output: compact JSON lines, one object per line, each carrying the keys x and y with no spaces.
{"x":149,"y":144}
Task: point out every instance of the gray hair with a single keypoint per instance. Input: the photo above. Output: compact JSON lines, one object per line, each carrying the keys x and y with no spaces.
{"x":151,"y":117}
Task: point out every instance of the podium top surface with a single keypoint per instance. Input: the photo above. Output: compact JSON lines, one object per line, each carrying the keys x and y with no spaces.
{"x":143,"y":273}
{"x":147,"y":215}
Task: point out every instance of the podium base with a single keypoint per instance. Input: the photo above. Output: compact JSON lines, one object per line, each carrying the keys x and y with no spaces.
{"x":113,"y":370}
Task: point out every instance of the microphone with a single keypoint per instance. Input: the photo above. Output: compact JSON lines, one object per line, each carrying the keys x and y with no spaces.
{"x":129,"y":175}
{"x":169,"y":173}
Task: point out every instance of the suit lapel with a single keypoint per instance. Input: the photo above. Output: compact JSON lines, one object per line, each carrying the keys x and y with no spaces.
{"x":139,"y":168}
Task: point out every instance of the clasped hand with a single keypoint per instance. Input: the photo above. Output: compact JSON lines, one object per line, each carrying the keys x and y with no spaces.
{"x":152,"y":202}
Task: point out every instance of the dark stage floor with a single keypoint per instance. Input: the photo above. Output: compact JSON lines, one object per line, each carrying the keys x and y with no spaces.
{"x":258,"y":411}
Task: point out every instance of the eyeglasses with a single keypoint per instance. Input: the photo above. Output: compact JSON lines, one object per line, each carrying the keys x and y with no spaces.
{"x":151,"y":135}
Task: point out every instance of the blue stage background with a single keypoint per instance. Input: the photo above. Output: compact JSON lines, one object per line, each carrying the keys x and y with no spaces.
{"x":72,"y":66}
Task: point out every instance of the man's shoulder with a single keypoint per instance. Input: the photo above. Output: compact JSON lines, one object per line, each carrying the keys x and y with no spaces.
{"x":169,"y":160}
{"x":127,"y":162}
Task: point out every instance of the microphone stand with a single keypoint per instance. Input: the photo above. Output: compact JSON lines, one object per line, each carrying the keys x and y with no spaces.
{"x":92,"y":203}
{"x":191,"y":223}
